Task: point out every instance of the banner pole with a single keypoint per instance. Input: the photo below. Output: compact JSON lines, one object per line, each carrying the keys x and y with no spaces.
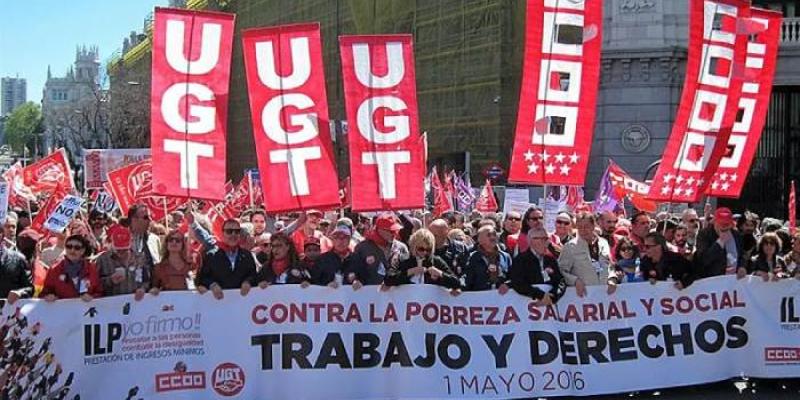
{"x":166,"y":213}
{"x":250,"y":188}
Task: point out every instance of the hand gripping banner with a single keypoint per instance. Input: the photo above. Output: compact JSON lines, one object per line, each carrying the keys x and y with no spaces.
{"x":289,"y":108}
{"x":709,"y":102}
{"x":764,"y":30}
{"x":189,"y":103}
{"x":387,"y":155}
{"x":555,"y":121}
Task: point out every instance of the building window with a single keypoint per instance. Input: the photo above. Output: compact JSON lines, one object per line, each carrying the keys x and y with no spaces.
{"x":59,"y":95}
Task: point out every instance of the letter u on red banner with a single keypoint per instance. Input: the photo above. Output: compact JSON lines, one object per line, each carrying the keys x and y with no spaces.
{"x":709,"y":102}
{"x":764,"y":31}
{"x":387,"y":155}
{"x":189,"y":102}
{"x":289,"y":108}
{"x":560,"y":75}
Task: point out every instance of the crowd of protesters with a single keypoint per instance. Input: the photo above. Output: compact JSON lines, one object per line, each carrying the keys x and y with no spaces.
{"x":104,"y":255}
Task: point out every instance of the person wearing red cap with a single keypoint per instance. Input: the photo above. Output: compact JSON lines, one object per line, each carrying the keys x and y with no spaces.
{"x":719,"y":247}
{"x":373,"y":257}
{"x":310,"y":228}
{"x":120,"y":271}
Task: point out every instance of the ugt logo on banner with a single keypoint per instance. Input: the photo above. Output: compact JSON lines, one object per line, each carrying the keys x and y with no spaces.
{"x":189,"y":108}
{"x":387,"y":154}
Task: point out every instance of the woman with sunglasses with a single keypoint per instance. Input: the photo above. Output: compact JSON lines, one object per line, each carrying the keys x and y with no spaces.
{"x":423,"y":266}
{"x":626,"y":265}
{"x":75,"y":276}
{"x":284,"y":264}
{"x":175,"y":271}
{"x":767,"y":262}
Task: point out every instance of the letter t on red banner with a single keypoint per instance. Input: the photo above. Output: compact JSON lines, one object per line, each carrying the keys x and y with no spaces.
{"x":189,"y":102}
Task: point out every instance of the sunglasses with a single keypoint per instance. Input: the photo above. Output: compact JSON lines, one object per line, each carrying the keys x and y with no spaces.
{"x":232,"y":231}
{"x":175,"y":240}
{"x":73,"y":247}
{"x":514,"y":219}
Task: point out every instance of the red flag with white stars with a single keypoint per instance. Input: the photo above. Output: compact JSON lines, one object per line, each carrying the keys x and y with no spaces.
{"x":560,"y":76}
{"x":757,"y":72}
{"x":709,"y":103}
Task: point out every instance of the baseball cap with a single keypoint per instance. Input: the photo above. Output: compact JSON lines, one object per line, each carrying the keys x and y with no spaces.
{"x":343,"y":230}
{"x":120,"y":237}
{"x":388,"y":222}
{"x":723,"y":215}
{"x":315,"y":212}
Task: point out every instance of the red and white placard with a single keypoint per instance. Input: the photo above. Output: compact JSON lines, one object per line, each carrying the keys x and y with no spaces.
{"x":555,"y":121}
{"x":133,"y":184}
{"x":762,"y":54}
{"x":387,"y":155}
{"x":289,"y":109}
{"x":189,"y":102}
{"x":709,"y":102}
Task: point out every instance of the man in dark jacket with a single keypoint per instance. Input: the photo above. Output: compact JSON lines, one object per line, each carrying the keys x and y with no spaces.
{"x":329,"y":270}
{"x":373,"y":257}
{"x":454,"y":253}
{"x":535,"y":273}
{"x":659,"y":263}
{"x":15,"y":276}
{"x":719,"y":248}
{"x":487,"y":267}
{"x":226,"y":266}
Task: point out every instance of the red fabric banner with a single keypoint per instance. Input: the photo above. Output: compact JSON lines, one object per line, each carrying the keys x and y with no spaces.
{"x":189,"y":102}
{"x":709,"y":101}
{"x":442,"y":202}
{"x":486,"y":201}
{"x":46,"y":174}
{"x":764,"y":30}
{"x":387,"y":153}
{"x":560,"y":76}
{"x":289,"y":109}
{"x":133,"y":184}
{"x":18,"y":194}
{"x":625,"y":186}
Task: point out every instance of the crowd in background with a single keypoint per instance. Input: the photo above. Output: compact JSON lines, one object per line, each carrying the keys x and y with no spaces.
{"x":107,"y":255}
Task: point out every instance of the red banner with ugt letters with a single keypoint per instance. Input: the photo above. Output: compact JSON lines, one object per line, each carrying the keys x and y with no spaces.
{"x":709,"y":102}
{"x":387,"y":154}
{"x":189,"y":102}
{"x":289,"y":109}
{"x":764,"y":32}
{"x":560,"y":76}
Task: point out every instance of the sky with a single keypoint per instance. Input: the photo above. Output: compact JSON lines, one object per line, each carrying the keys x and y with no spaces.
{"x":38,"y":33}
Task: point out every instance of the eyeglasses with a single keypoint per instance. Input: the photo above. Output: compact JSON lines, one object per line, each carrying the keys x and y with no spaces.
{"x":562,"y":222}
{"x":514,"y":219}
{"x":73,"y":247}
{"x":232,"y":231}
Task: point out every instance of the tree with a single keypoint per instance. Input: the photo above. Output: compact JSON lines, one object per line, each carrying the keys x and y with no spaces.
{"x":23,"y":127}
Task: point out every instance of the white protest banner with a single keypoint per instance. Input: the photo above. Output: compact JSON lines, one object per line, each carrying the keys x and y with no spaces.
{"x":3,"y":200}
{"x":550,"y":207}
{"x":412,"y":342}
{"x":97,"y":163}
{"x":104,"y":202}
{"x":513,"y":199}
{"x":64,"y":213}
{"x":518,"y":206}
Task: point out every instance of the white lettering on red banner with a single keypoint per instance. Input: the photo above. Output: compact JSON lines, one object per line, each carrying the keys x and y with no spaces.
{"x":386,"y":153}
{"x":709,"y":102}
{"x":289,"y":108}
{"x":555,"y":122}
{"x":191,"y":70}
{"x":764,"y":30}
